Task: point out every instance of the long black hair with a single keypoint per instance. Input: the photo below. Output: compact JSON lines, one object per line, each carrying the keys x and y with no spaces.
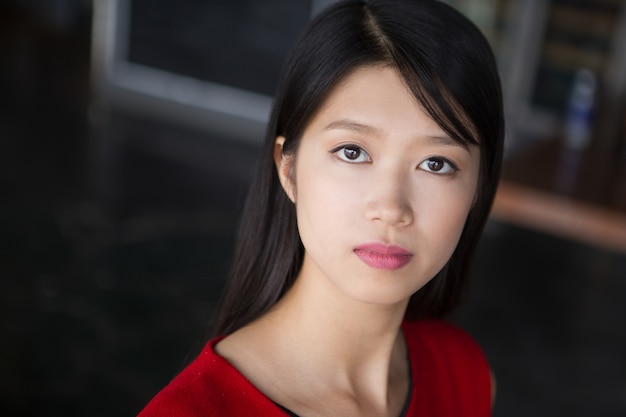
{"x":449,"y":67}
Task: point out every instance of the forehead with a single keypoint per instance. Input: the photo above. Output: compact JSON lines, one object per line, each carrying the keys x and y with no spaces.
{"x":375,"y":98}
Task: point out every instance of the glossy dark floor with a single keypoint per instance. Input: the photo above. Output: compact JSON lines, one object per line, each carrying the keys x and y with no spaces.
{"x":115,"y":239}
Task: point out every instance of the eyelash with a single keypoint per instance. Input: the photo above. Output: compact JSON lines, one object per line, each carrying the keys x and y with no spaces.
{"x":354,"y":148}
{"x":444,"y":161}
{"x":359,"y":151}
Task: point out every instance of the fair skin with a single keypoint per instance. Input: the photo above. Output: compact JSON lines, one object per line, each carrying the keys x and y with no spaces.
{"x":381,"y":194}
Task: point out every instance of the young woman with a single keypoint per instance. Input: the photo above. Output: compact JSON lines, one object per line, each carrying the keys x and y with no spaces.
{"x":379,"y":168}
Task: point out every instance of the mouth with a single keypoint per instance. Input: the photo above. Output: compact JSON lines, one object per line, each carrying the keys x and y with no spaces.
{"x":379,"y":256}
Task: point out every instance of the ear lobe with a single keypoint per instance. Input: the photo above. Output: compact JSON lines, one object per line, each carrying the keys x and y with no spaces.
{"x":284,"y":168}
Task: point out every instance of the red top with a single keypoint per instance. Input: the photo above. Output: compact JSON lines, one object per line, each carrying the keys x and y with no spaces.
{"x":450,"y":378}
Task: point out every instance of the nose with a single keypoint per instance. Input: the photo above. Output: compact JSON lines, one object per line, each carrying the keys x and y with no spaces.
{"x":389,"y":200}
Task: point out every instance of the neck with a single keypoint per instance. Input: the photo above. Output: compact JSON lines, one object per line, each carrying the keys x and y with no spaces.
{"x":347,"y":351}
{"x":340,"y":328}
{"x":353,"y":341}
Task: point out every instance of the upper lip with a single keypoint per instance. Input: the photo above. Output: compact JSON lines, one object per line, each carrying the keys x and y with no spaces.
{"x":383,"y":249}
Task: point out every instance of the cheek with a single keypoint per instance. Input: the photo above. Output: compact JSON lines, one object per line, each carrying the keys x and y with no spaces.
{"x":328,"y":203}
{"x":325,"y":207}
{"x":445,"y":214}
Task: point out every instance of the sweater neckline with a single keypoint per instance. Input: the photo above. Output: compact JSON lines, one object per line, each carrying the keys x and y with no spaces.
{"x":405,"y":407}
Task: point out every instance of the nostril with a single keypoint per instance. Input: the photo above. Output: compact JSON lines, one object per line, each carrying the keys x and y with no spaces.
{"x":391,"y":212}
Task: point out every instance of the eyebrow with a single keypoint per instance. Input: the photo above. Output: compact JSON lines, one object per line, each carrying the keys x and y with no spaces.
{"x":352,"y":125}
{"x":446,"y":140}
{"x":347,"y":124}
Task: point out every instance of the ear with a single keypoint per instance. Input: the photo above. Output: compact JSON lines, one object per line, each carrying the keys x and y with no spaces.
{"x":284,"y":168}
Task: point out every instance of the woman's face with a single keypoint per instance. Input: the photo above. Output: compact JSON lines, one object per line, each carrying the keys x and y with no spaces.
{"x":381,"y":191}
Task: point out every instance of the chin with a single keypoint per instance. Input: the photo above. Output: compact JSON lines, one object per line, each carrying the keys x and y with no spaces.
{"x":383,"y":297}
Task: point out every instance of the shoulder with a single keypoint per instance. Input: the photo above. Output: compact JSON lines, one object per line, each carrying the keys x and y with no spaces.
{"x":208,"y":386}
{"x":450,"y":364}
{"x":442,"y":334}
{"x":445,"y":342}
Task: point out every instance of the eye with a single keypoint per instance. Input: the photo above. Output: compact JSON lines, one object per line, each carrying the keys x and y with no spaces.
{"x":438,"y":165}
{"x":352,"y":153}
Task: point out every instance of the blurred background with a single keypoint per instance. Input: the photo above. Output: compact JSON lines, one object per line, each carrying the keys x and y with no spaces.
{"x":128,"y":134}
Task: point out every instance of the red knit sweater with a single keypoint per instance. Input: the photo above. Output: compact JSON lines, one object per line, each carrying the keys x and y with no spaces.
{"x":450,"y":379}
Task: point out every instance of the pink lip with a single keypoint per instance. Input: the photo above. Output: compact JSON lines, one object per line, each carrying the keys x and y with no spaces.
{"x":382,"y":256}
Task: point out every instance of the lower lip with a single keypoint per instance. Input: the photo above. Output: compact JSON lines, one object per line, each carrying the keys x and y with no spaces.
{"x":386,"y":261}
